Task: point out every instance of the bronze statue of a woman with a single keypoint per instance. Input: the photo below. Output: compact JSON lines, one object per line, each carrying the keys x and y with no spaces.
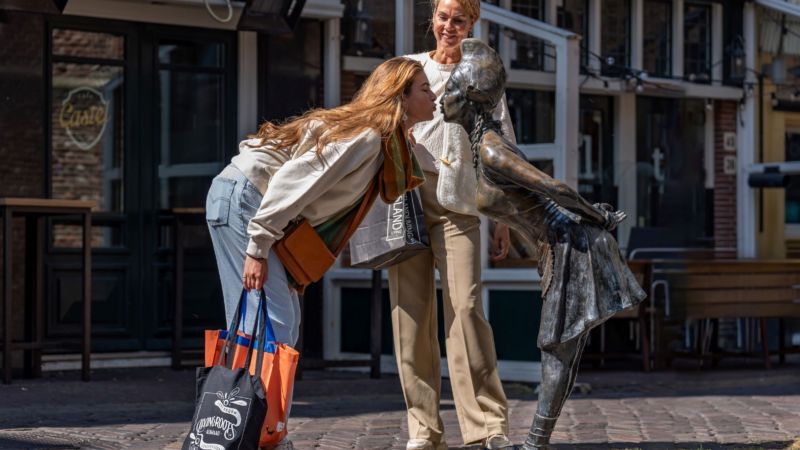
{"x":585,"y":279}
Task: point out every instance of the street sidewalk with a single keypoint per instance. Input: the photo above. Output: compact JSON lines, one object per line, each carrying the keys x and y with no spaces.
{"x":152,"y":408}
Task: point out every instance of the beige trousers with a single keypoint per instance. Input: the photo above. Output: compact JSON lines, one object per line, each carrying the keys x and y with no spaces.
{"x":481,"y":404}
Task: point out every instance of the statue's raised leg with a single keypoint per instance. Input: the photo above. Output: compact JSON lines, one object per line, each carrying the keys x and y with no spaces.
{"x":559,"y":371}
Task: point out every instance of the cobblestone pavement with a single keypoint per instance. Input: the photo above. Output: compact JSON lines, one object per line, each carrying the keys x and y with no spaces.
{"x":151,"y":409}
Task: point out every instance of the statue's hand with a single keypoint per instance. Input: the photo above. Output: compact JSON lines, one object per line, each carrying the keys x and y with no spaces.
{"x":612,"y":218}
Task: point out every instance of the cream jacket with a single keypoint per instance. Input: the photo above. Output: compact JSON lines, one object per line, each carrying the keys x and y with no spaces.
{"x":445,"y":148}
{"x":296,"y":182}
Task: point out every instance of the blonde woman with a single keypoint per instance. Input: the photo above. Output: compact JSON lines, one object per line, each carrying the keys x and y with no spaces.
{"x":448,"y":200}
{"x":312,"y":167}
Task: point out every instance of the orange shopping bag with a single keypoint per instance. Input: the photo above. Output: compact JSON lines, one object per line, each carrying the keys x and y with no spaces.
{"x":277,"y":371}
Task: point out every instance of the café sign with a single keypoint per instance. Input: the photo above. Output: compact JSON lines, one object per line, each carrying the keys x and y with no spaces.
{"x":84,"y":115}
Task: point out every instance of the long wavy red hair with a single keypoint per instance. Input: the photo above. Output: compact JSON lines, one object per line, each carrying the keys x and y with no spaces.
{"x":377,"y":106}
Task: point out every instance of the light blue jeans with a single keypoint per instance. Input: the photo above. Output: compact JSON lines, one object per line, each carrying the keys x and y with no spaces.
{"x":232,"y":201}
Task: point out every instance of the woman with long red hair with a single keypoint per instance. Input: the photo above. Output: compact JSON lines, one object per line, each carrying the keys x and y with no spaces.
{"x":313,"y":167}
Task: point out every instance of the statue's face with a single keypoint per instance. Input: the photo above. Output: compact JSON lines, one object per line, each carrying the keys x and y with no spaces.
{"x":454,"y":103}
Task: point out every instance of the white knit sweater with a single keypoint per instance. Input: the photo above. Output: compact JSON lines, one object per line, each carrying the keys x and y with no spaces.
{"x":440,"y":143}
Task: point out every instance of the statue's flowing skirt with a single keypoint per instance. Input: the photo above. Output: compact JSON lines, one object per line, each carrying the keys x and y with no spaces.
{"x":585,"y":279}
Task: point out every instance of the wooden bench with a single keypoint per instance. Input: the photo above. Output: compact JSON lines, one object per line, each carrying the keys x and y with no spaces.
{"x":719,"y":289}
{"x":643,"y":271}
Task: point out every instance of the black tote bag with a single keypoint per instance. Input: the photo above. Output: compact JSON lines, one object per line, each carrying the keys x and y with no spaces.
{"x":390,"y":234}
{"x":231,"y":404}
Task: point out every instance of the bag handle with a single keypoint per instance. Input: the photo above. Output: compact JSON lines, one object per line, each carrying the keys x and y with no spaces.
{"x":238,"y":317}
{"x":266,"y":328}
{"x":259,"y":325}
{"x":369,"y":199}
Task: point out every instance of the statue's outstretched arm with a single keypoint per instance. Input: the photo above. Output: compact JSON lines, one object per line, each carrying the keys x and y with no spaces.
{"x":510,"y":166}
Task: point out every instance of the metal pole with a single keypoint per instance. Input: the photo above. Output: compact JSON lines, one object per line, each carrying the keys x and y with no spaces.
{"x":87,"y":296}
{"x":375,"y":346}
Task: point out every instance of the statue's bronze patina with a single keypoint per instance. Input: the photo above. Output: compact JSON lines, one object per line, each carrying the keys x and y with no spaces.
{"x":585,"y":279}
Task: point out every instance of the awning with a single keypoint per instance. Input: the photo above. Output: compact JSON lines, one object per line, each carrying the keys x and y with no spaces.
{"x":778,"y":14}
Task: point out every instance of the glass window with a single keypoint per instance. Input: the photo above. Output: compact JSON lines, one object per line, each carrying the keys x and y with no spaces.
{"x":671,"y":194}
{"x":697,"y":42}
{"x":294,"y":62}
{"x":573,"y":15}
{"x":793,"y":190}
{"x":368,"y":27}
{"x":615,"y":34}
{"x":87,"y":124}
{"x":179,"y":52}
{"x":657,"y":51}
{"x":88,"y":44}
{"x":533,"y":115}
{"x":424,"y":40}
{"x":191,"y":122}
{"x":596,"y":150}
{"x":527,"y":52}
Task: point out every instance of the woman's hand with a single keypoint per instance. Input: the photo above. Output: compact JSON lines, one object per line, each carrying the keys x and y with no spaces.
{"x":502,"y":242}
{"x":255,"y":273}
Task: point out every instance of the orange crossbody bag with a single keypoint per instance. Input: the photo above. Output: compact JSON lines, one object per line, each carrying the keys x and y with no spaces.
{"x":304,"y":254}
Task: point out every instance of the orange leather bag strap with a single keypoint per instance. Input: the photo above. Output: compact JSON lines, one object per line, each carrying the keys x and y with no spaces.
{"x":369,"y":199}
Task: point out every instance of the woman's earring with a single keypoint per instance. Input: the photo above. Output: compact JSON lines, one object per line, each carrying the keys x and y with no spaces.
{"x":405,"y":117}
{"x":469,"y":34}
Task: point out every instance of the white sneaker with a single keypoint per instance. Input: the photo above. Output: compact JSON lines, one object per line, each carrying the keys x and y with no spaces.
{"x":424,"y":444}
{"x":499,"y":441}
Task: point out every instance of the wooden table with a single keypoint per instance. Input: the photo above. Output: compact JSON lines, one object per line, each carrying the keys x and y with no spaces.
{"x":34,"y":210}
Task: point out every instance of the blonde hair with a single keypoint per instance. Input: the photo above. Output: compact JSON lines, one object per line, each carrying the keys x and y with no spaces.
{"x":473,"y":7}
{"x":377,"y":106}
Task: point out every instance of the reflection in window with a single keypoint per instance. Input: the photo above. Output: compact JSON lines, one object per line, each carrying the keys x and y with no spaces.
{"x":88,"y":44}
{"x":521,"y":255}
{"x":671,"y":191}
{"x":181,"y":52}
{"x":596,"y":150}
{"x":657,"y":52}
{"x":191,"y":122}
{"x":424,"y":40}
{"x":87,"y":134}
{"x":615,"y":39}
{"x":368,"y":27}
{"x":697,"y":42}
{"x":573,"y":16}
{"x":532,"y":115}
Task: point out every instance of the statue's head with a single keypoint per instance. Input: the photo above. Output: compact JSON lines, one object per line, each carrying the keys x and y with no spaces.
{"x":477,"y":83}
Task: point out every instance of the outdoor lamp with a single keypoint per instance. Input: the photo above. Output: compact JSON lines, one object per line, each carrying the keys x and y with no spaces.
{"x":770,"y":178}
{"x":361,"y":31}
{"x":736,"y":50}
{"x":271,"y":16}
